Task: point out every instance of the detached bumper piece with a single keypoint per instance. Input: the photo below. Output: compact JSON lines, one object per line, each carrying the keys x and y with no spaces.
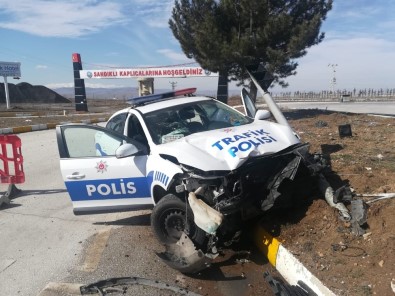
{"x":184,"y":257}
{"x":109,"y":286}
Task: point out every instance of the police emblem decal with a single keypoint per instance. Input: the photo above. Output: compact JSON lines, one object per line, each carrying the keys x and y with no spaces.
{"x":101,"y":166}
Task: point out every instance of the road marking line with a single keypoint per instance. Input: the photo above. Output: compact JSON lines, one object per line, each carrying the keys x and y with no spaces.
{"x":95,"y":250}
{"x":4,"y":264}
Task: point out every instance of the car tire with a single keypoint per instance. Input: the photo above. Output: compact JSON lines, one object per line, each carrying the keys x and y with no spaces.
{"x":170,"y":217}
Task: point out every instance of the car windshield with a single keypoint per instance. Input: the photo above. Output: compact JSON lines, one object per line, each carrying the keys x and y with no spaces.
{"x":167,"y":125}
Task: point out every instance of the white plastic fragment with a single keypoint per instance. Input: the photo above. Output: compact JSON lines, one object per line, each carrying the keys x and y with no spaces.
{"x":205,"y":217}
{"x":327,"y":190}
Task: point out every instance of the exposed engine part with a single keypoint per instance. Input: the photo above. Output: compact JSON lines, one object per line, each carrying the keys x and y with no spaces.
{"x":234,"y":239}
{"x":184,"y":257}
{"x":180,"y":188}
{"x":328,"y":192}
{"x":192,"y":184}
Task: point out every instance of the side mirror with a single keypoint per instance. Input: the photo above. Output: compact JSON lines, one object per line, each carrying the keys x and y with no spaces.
{"x":262,"y":114}
{"x":126,"y":150}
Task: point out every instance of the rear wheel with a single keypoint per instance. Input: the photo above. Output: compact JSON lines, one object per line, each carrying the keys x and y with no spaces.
{"x":171,"y":217}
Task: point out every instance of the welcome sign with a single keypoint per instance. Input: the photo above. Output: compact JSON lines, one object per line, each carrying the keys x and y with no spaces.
{"x":10,"y":69}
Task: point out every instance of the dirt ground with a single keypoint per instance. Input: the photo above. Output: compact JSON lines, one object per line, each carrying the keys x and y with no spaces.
{"x":347,"y":264}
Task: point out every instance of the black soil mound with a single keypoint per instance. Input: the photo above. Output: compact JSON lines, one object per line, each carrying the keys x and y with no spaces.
{"x":27,"y":93}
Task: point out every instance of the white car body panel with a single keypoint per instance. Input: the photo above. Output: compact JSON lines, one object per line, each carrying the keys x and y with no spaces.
{"x":227,"y":149}
{"x":106,"y":181}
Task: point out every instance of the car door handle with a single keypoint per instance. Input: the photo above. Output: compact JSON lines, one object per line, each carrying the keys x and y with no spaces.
{"x":75,"y":176}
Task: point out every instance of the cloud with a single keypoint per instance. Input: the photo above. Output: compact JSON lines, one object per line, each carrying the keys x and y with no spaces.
{"x":60,"y":18}
{"x":154,"y":13}
{"x":361,"y":18}
{"x":174,"y":56}
{"x":59,"y":85}
{"x":362,"y":63}
{"x":41,"y":67}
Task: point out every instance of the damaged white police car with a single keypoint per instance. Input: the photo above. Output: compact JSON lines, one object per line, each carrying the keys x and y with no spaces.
{"x":203,"y":165}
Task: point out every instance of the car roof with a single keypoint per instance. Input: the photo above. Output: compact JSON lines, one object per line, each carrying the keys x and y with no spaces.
{"x":165,"y":104}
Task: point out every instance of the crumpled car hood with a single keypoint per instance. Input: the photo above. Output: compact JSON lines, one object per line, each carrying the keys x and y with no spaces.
{"x":229,"y":148}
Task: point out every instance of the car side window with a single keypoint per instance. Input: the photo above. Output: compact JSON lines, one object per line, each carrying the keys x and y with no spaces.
{"x":135,"y":130}
{"x":88,"y":142}
{"x":117,"y":123}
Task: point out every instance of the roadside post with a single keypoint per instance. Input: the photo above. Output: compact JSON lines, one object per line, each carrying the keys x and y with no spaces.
{"x":11,"y":166}
{"x":9,"y":69}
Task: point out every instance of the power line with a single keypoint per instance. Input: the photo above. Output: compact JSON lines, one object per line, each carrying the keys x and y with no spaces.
{"x":136,"y":67}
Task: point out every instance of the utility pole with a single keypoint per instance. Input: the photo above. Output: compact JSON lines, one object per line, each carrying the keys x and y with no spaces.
{"x":333,"y":80}
{"x":173,"y":84}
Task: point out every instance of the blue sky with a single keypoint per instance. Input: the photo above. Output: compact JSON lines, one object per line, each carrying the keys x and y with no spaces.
{"x":42,"y":35}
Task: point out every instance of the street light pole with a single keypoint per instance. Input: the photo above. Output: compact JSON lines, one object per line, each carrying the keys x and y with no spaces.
{"x":333,"y":80}
{"x":7,"y":95}
{"x":173,"y":84}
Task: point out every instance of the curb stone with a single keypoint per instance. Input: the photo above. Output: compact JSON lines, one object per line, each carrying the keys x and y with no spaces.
{"x":290,"y":268}
{"x":39,"y":127}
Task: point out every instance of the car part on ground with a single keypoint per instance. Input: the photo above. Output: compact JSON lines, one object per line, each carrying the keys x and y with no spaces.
{"x":359,"y":216}
{"x":373,"y":197}
{"x":12,"y":192}
{"x":328,"y":192}
{"x":105,"y":287}
{"x":184,"y":257}
{"x":281,"y":289}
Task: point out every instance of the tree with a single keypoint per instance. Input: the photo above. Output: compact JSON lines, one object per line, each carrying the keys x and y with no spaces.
{"x":226,"y":35}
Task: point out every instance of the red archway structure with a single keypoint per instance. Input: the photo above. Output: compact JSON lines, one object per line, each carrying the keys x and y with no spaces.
{"x":175,"y":71}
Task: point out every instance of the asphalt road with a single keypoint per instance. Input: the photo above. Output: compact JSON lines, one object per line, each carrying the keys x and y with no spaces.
{"x":43,"y":244}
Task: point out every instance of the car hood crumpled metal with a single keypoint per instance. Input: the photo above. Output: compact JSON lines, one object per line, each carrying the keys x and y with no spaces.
{"x":228,"y":148}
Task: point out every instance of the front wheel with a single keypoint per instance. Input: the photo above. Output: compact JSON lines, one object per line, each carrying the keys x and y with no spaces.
{"x":171,"y":217}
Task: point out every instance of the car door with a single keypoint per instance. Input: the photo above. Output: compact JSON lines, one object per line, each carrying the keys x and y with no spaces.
{"x":103,"y":171}
{"x":249,"y":106}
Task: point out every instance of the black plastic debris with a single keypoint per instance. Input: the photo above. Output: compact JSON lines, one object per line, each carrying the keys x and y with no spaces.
{"x":345,"y":130}
{"x":321,"y":123}
{"x":343,"y":194}
{"x":279,"y":288}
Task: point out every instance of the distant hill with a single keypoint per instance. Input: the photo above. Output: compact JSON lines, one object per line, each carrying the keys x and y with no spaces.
{"x":26,"y":93}
{"x":121,"y":93}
